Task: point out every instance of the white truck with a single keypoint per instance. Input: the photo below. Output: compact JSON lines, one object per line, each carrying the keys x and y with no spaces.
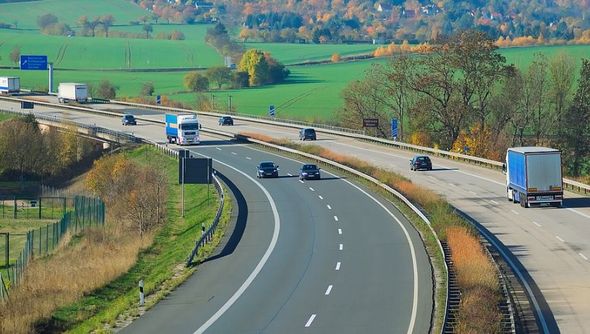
{"x":71,"y":91}
{"x":533,"y":176}
{"x":182,"y":129}
{"x":9,"y":85}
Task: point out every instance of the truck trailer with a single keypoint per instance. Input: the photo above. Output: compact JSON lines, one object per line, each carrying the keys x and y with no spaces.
{"x":533,"y":176}
{"x":71,"y":91}
{"x":9,"y":85}
{"x":182,"y":129}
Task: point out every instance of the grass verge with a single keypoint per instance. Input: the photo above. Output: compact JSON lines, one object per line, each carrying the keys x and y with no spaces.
{"x":477,"y":276}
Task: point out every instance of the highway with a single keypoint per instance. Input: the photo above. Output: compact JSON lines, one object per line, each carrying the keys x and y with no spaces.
{"x":320,"y":256}
{"x":551,"y":244}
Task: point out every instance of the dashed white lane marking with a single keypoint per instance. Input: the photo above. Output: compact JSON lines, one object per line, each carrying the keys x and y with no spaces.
{"x":234,"y":153}
{"x":452,"y":185}
{"x":582,"y":255}
{"x":558,"y":238}
{"x":289,"y":174}
{"x":337,"y":266}
{"x":516,"y":213}
{"x":248,"y":158}
{"x":539,"y":225}
{"x":320,"y":197}
{"x":336,"y":218}
{"x":340,"y":231}
{"x":341,"y":247}
{"x":494,"y":202}
{"x":301,"y":181}
{"x":472,"y":192}
{"x":310,"y":188}
{"x":329,"y":207}
{"x":219,"y":149}
{"x":328,"y":290}
{"x":308,"y":323}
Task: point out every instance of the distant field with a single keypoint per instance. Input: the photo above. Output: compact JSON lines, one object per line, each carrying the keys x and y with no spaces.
{"x":109,"y":53}
{"x":68,"y":11}
{"x":192,"y":32}
{"x":299,"y":53}
{"x":522,"y":57}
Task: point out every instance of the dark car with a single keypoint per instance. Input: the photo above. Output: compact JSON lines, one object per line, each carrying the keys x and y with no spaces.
{"x":307,"y":134}
{"x":226,"y":120}
{"x":421,"y":162}
{"x":128,"y":119}
{"x":267,"y":169}
{"x":309,"y":171}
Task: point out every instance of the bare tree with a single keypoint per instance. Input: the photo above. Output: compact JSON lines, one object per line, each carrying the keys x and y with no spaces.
{"x":536,"y":89}
{"x":106,"y":22}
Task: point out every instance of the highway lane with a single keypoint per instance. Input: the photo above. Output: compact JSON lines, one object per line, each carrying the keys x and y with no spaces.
{"x":342,"y":262}
{"x":550,"y":243}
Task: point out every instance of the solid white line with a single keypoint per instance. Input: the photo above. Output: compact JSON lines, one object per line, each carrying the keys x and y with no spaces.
{"x":558,"y":238}
{"x":341,"y":247}
{"x":339,"y":231}
{"x":329,"y":207}
{"x":583,"y":256}
{"x":516,"y":213}
{"x":289,"y":174}
{"x":494,"y":202}
{"x":310,"y":188}
{"x":248,"y":158}
{"x":450,"y":184}
{"x":539,"y":225}
{"x":578,"y":212}
{"x":301,"y":181}
{"x":261,"y":263}
{"x":310,"y":320}
{"x":234,"y":153}
{"x":336,"y":218}
{"x":328,"y":290}
{"x":219,"y":149}
{"x":320,"y":197}
{"x":337,"y":266}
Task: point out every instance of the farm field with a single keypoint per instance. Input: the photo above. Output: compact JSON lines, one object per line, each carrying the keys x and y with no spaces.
{"x":192,"y":32}
{"x":25,"y":13}
{"x":300,"y":53}
{"x":523,"y":57}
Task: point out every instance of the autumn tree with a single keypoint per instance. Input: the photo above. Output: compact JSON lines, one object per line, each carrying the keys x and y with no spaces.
{"x":196,"y":82}
{"x":105,"y":90}
{"x":254,"y":63}
{"x":21,"y":146}
{"x":106,"y":21}
{"x":46,"y":20}
{"x":15,"y":55}
{"x":147,"y":89}
{"x":219,"y":75}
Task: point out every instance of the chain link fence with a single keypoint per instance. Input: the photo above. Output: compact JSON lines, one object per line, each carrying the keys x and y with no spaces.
{"x":17,"y":249}
{"x":45,"y":207}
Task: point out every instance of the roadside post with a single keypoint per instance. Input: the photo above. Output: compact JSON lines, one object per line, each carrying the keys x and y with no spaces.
{"x":141,"y":295}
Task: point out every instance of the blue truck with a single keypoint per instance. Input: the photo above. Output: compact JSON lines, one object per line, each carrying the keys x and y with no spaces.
{"x":533,"y":176}
{"x":182,"y":129}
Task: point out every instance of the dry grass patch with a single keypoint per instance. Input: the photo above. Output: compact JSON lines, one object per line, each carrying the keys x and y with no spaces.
{"x":96,"y":257}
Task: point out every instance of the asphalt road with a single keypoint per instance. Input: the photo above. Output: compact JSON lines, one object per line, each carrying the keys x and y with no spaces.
{"x":315,"y":256}
{"x":550,"y":244}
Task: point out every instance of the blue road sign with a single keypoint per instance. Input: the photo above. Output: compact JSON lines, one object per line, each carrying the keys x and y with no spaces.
{"x":29,"y":62}
{"x":158,"y":99}
{"x":271,"y":111}
{"x":394,"y":128}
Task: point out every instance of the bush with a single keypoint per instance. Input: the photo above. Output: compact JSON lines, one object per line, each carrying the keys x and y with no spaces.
{"x":105,"y":90}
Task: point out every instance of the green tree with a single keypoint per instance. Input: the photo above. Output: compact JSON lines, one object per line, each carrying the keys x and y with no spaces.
{"x":147,"y":89}
{"x":562,"y":70}
{"x":239,"y":79}
{"x":254,"y":63}
{"x":196,"y":82}
{"x":219,"y":75}
{"x":106,"y":90}
{"x":576,"y":123}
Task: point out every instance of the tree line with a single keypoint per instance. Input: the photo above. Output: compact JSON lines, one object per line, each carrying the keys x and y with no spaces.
{"x":463,"y":96}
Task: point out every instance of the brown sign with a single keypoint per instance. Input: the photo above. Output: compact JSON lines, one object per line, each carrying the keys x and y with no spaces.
{"x":370,"y":122}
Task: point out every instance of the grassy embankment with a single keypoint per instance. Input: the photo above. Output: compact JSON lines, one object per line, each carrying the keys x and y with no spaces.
{"x":105,"y":266}
{"x":476,"y":273}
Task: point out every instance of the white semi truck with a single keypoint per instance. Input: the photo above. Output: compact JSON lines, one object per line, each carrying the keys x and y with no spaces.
{"x":182,"y":129}
{"x":71,"y":91}
{"x":533,"y":176}
{"x":9,"y":85}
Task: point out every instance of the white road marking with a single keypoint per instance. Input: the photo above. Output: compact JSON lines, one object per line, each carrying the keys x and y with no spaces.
{"x":336,"y":218}
{"x":578,"y":212}
{"x":341,"y":247}
{"x":310,"y":320}
{"x":328,"y":290}
{"x":472,"y":192}
{"x":539,"y":225}
{"x":329,"y":207}
{"x":339,"y":231}
{"x":582,"y":255}
{"x":301,"y":181}
{"x":513,"y":211}
{"x":337,"y":266}
{"x":289,"y":174}
{"x":494,"y":202}
{"x":310,"y":188}
{"x":234,"y":153}
{"x":452,"y":185}
{"x":248,"y":158}
{"x":320,"y":197}
{"x":219,"y":149}
{"x":261,"y":263}
{"x":558,"y":238}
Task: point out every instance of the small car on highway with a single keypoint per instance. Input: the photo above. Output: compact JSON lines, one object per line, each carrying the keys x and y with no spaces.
{"x":226,"y":120}
{"x":267,"y":169}
{"x":307,"y":134}
{"x":128,"y":119}
{"x":421,"y":162}
{"x":309,"y":171}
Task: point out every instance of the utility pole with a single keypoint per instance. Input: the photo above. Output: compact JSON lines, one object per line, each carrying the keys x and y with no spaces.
{"x":229,"y":104}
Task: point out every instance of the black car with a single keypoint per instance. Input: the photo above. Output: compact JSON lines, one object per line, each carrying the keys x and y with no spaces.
{"x":226,"y":120}
{"x":128,"y":119}
{"x":421,"y":162}
{"x":267,"y":169}
{"x":309,"y":171}
{"x":307,"y":134}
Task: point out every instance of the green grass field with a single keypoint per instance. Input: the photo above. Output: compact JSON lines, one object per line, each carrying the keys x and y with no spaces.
{"x":5,"y":116}
{"x":300,"y":53}
{"x":192,"y":32}
{"x":26,"y":13}
{"x":523,"y":57}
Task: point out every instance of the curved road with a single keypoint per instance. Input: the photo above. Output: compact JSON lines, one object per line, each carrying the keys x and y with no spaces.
{"x":318,"y":256}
